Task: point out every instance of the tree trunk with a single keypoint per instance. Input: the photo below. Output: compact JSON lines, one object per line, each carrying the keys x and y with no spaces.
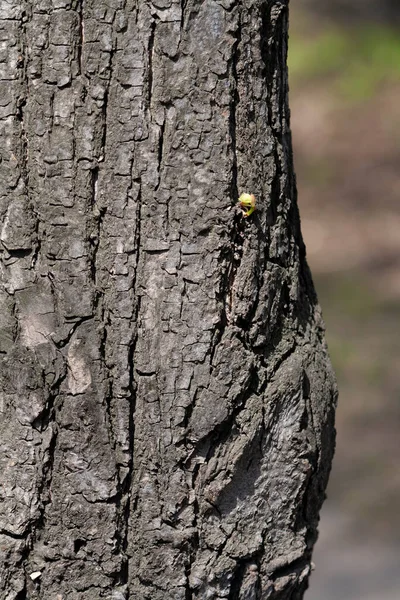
{"x":166,"y":397}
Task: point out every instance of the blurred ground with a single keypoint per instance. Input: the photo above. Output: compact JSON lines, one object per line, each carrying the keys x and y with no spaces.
{"x":345,"y":103}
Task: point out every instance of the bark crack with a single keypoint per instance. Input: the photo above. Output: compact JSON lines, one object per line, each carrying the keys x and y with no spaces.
{"x":124,"y":499}
{"x":160,"y":152}
{"x":150,"y":51}
{"x":81,"y":35}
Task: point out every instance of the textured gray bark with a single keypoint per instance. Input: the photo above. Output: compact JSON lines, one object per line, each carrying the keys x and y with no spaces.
{"x":166,"y":397}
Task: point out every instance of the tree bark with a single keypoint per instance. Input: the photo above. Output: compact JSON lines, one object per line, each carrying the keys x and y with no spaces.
{"x":166,"y":397}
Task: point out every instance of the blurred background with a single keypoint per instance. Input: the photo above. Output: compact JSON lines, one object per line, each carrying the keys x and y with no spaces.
{"x":344,"y":72}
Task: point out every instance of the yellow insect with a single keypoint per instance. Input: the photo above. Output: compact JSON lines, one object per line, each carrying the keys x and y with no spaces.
{"x":247,"y":203}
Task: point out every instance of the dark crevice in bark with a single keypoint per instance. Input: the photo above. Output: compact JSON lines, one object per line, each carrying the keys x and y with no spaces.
{"x":182,"y":25}
{"x":238,"y":226}
{"x":188,"y":590}
{"x":19,"y":253}
{"x":81,"y":35}
{"x":272,"y":45}
{"x":290,"y":568}
{"x":20,"y":116}
{"x":146,"y":374}
{"x":104,"y":118}
{"x":188,"y":414}
{"x":47,"y":474}
{"x":232,"y":254}
{"x":38,"y":242}
{"x":61,"y":343}
{"x":272,"y":213}
{"x":21,"y":103}
{"x":12,"y":535}
{"x":104,"y":108}
{"x":150,"y":50}
{"x":232,"y":115}
{"x":104,"y":115}
{"x":94,"y":236}
{"x":232,"y":6}
{"x":94,"y":184}
{"x":78,"y":544}
{"x":22,"y":594}
{"x":160,"y":152}
{"x":108,"y":379}
{"x":124,"y":501}
{"x":46,"y":416}
{"x":16,"y":321}
{"x":237,"y":580}
{"x":236,"y":588}
{"x":45,"y":420}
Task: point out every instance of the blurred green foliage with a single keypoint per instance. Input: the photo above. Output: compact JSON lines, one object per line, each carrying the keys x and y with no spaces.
{"x":349,"y":295}
{"x":361,"y":334}
{"x":357,"y":60}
